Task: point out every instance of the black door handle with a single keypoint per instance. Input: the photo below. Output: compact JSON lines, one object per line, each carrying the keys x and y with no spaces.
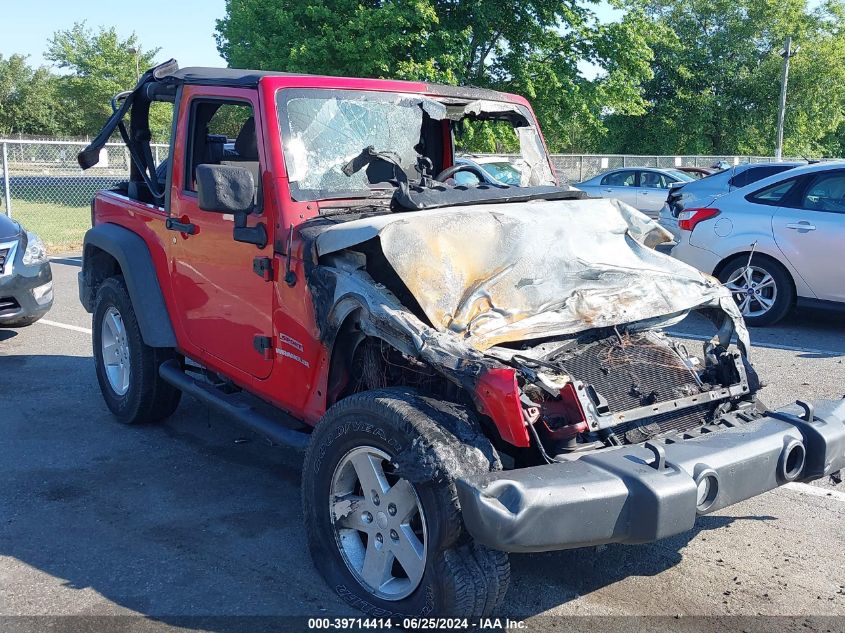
{"x":182,"y":227}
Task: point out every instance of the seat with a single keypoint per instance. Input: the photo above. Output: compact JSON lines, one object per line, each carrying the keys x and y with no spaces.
{"x":246,"y":155}
{"x":652,"y":181}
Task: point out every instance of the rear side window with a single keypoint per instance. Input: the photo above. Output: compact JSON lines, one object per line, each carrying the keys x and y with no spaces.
{"x":753,"y":174}
{"x":775,"y":194}
{"x":826,"y":193}
{"x":620,"y":179}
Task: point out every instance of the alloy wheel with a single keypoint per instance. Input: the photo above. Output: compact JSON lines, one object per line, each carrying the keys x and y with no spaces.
{"x":379,"y":524}
{"x":114,"y":347}
{"x":754,"y":290}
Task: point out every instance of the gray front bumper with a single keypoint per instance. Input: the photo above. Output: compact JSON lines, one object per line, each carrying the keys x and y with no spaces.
{"x":18,"y":284}
{"x":637,"y":494}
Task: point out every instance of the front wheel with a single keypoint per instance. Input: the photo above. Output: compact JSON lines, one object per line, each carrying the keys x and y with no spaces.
{"x":763,"y":291}
{"x":127,"y":368}
{"x":381,"y":509}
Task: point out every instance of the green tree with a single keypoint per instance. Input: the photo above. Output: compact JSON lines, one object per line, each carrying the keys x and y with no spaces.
{"x":528,"y":46}
{"x":28,"y":99}
{"x":100,"y":65}
{"x":717,"y":79}
{"x":815,"y":115}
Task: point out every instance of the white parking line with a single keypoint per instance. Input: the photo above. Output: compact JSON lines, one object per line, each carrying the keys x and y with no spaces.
{"x":65,"y":326}
{"x":815,"y":491}
{"x":787,"y":348}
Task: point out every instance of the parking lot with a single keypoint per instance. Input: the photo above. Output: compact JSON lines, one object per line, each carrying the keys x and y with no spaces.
{"x":197,"y":517}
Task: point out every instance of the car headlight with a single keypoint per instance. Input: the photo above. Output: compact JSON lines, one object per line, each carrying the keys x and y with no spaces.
{"x":36,"y":252}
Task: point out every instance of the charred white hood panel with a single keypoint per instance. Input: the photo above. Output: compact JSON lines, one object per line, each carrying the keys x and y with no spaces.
{"x":509,"y":272}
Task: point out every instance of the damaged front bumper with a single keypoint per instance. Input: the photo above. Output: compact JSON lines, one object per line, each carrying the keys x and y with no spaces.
{"x":644,"y":492}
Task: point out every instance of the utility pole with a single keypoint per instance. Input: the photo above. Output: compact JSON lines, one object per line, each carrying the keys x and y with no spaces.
{"x":786,"y":53}
{"x":7,"y":194}
{"x":136,"y":52}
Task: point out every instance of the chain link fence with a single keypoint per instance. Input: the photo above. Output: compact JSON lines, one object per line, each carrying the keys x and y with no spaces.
{"x":46,"y":191}
{"x":575,"y":168}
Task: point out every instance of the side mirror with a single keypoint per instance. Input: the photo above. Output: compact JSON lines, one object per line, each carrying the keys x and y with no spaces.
{"x":225,"y":189}
{"x":230,"y":189}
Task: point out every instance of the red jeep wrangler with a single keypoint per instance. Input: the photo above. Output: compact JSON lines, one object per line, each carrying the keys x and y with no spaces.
{"x":475,"y":368}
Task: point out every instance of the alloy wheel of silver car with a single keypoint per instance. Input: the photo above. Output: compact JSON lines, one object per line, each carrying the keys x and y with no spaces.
{"x":754,"y":289}
{"x":378,"y":523}
{"x":114,"y":346}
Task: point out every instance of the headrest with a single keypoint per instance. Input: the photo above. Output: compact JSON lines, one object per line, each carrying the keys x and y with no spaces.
{"x":215,"y":148}
{"x":246,"y":145}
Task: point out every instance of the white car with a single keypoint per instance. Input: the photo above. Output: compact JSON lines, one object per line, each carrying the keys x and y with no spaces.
{"x":792,"y":222}
{"x":644,"y":188}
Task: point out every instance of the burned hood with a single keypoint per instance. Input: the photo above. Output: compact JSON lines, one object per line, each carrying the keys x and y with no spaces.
{"x":491,"y":274}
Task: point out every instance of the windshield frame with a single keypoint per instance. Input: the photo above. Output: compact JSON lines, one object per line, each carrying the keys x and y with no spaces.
{"x":429,"y":103}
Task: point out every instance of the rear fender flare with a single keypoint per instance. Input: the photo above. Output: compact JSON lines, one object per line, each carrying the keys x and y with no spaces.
{"x":135,"y":263}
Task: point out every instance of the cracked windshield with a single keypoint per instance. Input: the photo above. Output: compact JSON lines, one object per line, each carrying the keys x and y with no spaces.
{"x":325,"y":134}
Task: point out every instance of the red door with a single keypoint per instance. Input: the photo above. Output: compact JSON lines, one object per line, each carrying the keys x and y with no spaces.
{"x":224,"y":304}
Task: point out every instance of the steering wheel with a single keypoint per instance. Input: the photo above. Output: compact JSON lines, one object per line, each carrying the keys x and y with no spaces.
{"x":479,"y":173}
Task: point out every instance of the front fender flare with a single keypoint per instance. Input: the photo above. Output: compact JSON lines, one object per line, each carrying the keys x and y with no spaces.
{"x":133,"y":256}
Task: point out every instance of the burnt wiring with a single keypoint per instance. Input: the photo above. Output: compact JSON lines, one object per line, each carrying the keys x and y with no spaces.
{"x":375,"y":366}
{"x":530,"y":365}
{"x":611,"y":359}
{"x":531,"y":415}
{"x":683,"y":354}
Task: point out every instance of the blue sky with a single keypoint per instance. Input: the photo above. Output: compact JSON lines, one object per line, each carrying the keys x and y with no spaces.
{"x":183,"y":29}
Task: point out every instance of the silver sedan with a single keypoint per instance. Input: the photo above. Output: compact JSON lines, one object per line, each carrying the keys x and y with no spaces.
{"x":644,"y":188}
{"x":775,"y":243}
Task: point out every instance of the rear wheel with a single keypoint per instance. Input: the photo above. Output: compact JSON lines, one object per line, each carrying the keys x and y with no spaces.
{"x":382,"y":513}
{"x":763,"y":291}
{"x":127,"y":368}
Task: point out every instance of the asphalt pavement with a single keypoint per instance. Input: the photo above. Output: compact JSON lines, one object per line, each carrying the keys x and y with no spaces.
{"x":197,"y":517}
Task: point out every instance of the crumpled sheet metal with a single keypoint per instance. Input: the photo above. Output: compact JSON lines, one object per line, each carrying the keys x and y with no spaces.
{"x":491,"y":274}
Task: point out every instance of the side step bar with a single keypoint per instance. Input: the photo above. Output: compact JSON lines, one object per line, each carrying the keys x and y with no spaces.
{"x":171,"y":372}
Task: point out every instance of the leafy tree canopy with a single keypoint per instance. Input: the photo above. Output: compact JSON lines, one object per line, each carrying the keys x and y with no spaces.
{"x":532,"y":47}
{"x":675,"y":76}
{"x":99,"y":65}
{"x":28,"y":98}
{"x":716,"y":81}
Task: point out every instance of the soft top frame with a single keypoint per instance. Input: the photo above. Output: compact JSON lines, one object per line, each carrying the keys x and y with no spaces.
{"x":162,"y":83}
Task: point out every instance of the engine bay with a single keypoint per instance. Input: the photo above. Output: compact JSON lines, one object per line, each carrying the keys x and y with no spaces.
{"x":627,"y":387}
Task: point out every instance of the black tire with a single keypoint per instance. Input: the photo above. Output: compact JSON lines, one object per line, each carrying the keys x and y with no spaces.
{"x":148,"y":397}
{"x":429,"y":443}
{"x":784,"y":298}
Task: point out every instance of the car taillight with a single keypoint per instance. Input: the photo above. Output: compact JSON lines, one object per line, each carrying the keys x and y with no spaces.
{"x":688,"y":218}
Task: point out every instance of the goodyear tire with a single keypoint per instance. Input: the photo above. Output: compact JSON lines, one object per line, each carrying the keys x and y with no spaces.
{"x":382,"y":513}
